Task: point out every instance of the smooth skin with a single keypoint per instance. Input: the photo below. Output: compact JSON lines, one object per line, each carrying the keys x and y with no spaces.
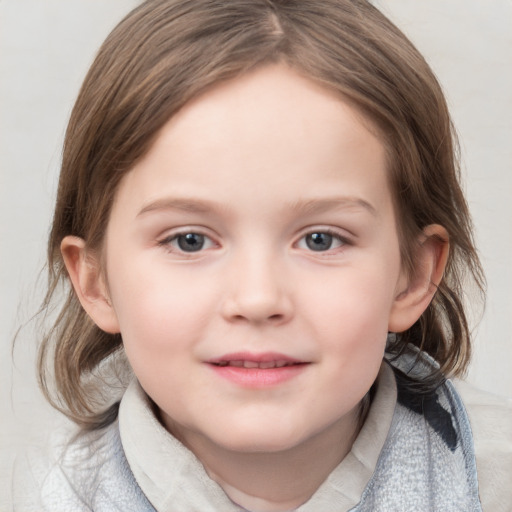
{"x":261,"y":221}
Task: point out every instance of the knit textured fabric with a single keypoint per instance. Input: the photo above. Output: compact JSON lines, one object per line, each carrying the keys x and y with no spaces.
{"x":426,"y":464}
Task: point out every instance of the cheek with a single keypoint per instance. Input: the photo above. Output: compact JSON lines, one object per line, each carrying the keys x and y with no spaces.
{"x":352,"y":298}
{"x":350,"y":315}
{"x":159,"y":314}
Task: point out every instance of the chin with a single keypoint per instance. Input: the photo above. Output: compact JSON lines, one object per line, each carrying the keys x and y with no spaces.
{"x":260,"y":445}
{"x":268,"y":440}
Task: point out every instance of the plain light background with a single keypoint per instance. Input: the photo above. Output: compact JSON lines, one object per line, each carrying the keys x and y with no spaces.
{"x":46,"y":47}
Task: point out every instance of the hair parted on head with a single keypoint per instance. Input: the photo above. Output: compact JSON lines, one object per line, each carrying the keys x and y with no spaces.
{"x":166,"y":52}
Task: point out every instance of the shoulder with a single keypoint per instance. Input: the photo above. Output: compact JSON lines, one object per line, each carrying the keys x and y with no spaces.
{"x":490,"y":418}
{"x":37,"y":473}
{"x":54,"y":475}
{"x":79,"y":472}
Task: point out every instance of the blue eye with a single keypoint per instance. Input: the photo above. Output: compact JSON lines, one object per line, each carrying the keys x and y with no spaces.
{"x":319,"y":241}
{"x":190,"y":242}
{"x":187,"y":242}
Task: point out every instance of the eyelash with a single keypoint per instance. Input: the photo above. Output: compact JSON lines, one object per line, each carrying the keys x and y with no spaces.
{"x":342,"y":240}
{"x":167,"y":242}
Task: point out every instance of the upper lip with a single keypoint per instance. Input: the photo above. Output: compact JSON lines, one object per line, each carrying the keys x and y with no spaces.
{"x":256,"y":358}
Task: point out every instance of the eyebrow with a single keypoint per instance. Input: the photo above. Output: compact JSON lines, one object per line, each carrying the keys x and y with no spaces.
{"x":309,"y":206}
{"x":183,"y":204}
{"x":320,"y":205}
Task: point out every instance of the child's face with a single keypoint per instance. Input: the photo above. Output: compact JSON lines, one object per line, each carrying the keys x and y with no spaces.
{"x":258,"y":231}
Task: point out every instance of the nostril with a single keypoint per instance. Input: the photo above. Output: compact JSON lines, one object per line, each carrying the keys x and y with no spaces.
{"x":257,"y":307}
{"x":276,"y":318}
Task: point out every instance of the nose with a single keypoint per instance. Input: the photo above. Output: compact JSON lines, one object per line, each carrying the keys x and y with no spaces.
{"x":258,"y":291}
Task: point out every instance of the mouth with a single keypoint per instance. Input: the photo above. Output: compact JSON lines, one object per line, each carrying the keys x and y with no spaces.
{"x":257,"y":370}
{"x":263,"y":361}
{"x":262,"y":365}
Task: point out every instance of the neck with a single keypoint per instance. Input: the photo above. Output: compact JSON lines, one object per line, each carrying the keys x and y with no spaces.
{"x":282,"y":480}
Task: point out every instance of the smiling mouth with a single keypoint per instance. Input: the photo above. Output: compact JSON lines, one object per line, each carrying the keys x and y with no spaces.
{"x":262,"y":365}
{"x":258,"y":371}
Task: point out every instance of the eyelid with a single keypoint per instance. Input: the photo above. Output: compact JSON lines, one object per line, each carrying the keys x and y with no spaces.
{"x":173,"y":234}
{"x":337,"y":233}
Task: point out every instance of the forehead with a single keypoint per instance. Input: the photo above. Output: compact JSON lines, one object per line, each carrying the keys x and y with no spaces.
{"x":271,"y":103}
{"x":270,"y":135}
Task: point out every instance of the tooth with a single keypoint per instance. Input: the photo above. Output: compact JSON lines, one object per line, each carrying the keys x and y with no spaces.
{"x":267,"y":364}
{"x":222,"y":363}
{"x":238,"y":364}
{"x":280,"y":364}
{"x":250,"y":364}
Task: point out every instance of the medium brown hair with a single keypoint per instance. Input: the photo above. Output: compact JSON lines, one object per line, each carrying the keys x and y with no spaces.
{"x":165,"y":53}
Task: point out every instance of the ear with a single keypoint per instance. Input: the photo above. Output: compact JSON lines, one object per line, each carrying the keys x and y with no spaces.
{"x":84,"y":270}
{"x":415,"y":292}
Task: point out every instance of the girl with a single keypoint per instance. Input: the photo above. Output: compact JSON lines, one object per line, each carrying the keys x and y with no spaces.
{"x":259,"y":215}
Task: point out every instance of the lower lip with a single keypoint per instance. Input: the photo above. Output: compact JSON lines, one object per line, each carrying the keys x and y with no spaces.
{"x":258,"y":377}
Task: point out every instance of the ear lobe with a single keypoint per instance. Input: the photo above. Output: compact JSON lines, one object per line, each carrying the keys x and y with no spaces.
{"x":415,"y":293}
{"x":84,"y":270}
